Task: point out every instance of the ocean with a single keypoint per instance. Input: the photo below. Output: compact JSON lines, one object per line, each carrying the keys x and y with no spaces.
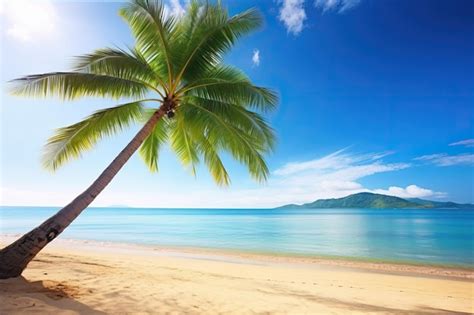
{"x":439,"y":237}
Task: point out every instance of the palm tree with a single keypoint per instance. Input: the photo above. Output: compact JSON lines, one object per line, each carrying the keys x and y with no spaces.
{"x":176,"y":83}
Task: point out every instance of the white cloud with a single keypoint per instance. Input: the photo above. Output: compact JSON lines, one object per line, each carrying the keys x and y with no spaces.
{"x":293,"y":15}
{"x":443,"y":159}
{"x":175,"y":8}
{"x":29,"y":20}
{"x":332,"y":176}
{"x":411,"y":191}
{"x":339,"y":5}
{"x":467,"y":143}
{"x":256,"y":57}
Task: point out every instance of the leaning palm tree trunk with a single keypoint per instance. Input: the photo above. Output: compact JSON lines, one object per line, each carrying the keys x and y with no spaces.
{"x":15,"y":257}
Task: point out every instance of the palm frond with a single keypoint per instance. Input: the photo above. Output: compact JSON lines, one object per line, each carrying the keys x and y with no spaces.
{"x":71,"y":141}
{"x":74,"y":85}
{"x":153,"y":31}
{"x":244,"y":146}
{"x":149,"y":150}
{"x":212,"y":159}
{"x":182,"y":143}
{"x":226,"y":83}
{"x":208,"y":33}
{"x":253,"y":123}
{"x":120,"y":63}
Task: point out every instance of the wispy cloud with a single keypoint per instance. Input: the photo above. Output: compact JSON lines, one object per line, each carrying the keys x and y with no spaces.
{"x":334,"y":161}
{"x":467,"y":143}
{"x":443,"y":159}
{"x":256,"y":57}
{"x":293,"y":15}
{"x":336,"y":5}
{"x":29,"y":20}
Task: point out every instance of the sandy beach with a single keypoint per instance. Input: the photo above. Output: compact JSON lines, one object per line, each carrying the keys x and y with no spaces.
{"x":81,"y":277}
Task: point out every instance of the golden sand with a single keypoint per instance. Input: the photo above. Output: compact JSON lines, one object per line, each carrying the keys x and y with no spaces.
{"x":77,"y":277}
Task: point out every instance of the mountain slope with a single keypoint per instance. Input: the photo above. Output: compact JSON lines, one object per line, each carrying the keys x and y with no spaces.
{"x":441,"y":204}
{"x":376,"y":201}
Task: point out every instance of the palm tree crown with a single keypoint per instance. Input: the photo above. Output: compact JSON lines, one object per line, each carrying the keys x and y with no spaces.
{"x":176,"y":67}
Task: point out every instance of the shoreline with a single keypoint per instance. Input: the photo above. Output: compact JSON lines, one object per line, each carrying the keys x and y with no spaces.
{"x":90,"y":277}
{"x":239,"y":256}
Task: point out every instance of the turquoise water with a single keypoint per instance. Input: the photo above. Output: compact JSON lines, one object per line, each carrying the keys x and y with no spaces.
{"x":425,"y":236}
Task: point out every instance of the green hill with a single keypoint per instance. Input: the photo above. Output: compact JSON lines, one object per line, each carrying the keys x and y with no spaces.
{"x":377,"y":201}
{"x":441,"y":204}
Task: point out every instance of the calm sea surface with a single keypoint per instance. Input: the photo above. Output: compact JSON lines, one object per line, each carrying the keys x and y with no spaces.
{"x":425,"y":236}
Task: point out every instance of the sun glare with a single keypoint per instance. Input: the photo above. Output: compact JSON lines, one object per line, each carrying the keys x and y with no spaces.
{"x":28,"y":20}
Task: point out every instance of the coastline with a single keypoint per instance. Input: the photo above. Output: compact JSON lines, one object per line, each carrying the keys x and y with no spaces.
{"x":239,"y":256}
{"x":93,"y":277}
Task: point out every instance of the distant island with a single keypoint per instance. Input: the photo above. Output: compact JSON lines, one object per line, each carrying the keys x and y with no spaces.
{"x":378,"y":201}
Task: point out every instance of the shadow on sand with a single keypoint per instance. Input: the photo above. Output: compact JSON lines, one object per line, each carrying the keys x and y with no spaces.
{"x":20,"y":296}
{"x":348,"y":307}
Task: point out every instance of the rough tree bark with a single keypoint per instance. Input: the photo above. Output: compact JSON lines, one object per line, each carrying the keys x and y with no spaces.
{"x":15,"y":257}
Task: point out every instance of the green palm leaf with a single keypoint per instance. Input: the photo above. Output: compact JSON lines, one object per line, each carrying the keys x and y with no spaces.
{"x":71,"y":141}
{"x":208,"y":34}
{"x":149,"y":150}
{"x":212,"y":159}
{"x":244,"y":119}
{"x":182,"y":143}
{"x":153,"y":31}
{"x":74,"y":85}
{"x":226,"y":83}
{"x":121,"y":64}
{"x":242,"y":145}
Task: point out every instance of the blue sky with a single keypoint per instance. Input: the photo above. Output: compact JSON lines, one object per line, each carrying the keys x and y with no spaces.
{"x":375,"y":96}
